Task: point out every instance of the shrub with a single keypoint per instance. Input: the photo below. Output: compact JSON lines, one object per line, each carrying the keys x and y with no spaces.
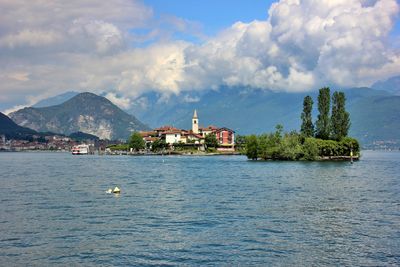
{"x":119,"y":147}
{"x":158,"y":145}
{"x":310,"y":149}
{"x":349,"y":144}
{"x":290,"y":147}
{"x":252,"y":147}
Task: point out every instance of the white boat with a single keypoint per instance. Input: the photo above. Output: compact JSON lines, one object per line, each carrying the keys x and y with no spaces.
{"x":80,"y":150}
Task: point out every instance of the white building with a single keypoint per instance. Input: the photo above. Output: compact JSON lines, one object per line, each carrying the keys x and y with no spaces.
{"x":172,"y":137}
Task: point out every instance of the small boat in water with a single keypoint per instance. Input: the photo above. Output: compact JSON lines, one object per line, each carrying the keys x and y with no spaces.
{"x":80,"y":150}
{"x":116,"y":190}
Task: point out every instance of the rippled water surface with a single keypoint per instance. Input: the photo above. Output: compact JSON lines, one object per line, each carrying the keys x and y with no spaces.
{"x":198,"y":211}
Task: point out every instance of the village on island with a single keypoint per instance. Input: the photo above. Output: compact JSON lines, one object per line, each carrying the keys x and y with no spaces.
{"x":169,"y":139}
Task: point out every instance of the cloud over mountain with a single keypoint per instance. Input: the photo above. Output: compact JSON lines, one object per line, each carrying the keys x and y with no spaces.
{"x":47,"y":47}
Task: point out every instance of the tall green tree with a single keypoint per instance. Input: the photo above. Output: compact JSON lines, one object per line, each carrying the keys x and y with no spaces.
{"x":136,"y":141}
{"x":307,"y":126}
{"x":323,"y":125}
{"x":340,"y":117}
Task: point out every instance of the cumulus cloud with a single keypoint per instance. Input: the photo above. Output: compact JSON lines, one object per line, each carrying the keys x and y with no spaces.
{"x":50,"y":47}
{"x":122,"y":102}
{"x":303,"y":44}
{"x":102,"y":35}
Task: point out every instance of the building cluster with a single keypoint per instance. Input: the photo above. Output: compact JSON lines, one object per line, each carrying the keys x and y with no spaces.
{"x":388,"y":145}
{"x":51,"y":142}
{"x":171,"y":136}
{"x":194,"y":137}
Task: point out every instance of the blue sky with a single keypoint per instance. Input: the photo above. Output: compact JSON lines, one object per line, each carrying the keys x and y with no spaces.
{"x":125,"y":48}
{"x":213,"y":15}
{"x":217,"y":15}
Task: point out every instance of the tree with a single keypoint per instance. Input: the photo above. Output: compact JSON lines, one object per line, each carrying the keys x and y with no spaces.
{"x":265,"y":146}
{"x":158,"y":145}
{"x":323,"y":124}
{"x":290,"y":148}
{"x":269,"y":144}
{"x":310,"y":149}
{"x":278,"y":131}
{"x":252,"y":147}
{"x":211,"y":140}
{"x":340,"y":117}
{"x":307,"y":127}
{"x":136,"y":141}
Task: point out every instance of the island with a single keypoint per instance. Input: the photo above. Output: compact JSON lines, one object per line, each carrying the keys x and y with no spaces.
{"x":198,"y":140}
{"x":326,"y":139}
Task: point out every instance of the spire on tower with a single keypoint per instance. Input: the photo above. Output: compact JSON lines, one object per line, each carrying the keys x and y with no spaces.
{"x":195,"y":114}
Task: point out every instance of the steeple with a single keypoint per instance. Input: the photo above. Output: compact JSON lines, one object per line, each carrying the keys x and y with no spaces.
{"x":195,"y":123}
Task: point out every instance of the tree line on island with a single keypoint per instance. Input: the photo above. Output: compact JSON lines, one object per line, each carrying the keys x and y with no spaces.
{"x":326,"y":139}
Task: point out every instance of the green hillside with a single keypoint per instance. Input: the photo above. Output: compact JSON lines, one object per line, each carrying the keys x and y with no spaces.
{"x":13,"y":131}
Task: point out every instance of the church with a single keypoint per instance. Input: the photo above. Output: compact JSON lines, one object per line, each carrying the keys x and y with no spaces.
{"x":193,"y":137}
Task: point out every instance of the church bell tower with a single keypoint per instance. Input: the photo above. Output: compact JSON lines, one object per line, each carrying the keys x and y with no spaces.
{"x":195,"y":123}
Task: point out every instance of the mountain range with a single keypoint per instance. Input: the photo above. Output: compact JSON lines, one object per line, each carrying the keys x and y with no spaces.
{"x":374,"y":112}
{"x":391,"y":85}
{"x":85,"y":112}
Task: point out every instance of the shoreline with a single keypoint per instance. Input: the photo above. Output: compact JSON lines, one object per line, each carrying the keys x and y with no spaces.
{"x":200,"y":154}
{"x":319,"y":159}
{"x":177,"y":153}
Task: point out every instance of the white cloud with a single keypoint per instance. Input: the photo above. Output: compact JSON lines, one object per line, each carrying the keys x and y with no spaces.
{"x":303,"y":44}
{"x":104,"y":36}
{"x":32,"y":38}
{"x":50,"y":47}
{"x":121,"y":102}
{"x":190,"y":99}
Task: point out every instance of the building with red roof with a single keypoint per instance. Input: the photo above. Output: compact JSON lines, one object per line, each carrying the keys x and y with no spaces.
{"x":194,"y":137}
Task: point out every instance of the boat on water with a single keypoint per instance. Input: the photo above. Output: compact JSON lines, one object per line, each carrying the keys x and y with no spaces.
{"x":80,"y":150}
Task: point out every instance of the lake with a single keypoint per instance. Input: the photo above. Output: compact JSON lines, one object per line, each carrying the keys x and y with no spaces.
{"x":177,"y":210}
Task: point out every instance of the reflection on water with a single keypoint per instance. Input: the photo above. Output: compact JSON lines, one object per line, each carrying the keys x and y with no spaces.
{"x":198,"y":210}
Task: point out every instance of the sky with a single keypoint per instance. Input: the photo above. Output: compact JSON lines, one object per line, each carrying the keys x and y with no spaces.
{"x":125,"y":48}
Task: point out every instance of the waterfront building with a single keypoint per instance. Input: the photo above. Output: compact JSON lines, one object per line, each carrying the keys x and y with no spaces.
{"x":226,"y":139}
{"x":194,"y":137}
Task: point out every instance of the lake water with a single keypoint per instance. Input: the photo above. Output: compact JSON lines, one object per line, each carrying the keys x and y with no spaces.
{"x":177,"y":210}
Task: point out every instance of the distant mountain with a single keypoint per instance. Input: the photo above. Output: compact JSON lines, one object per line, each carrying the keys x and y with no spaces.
{"x":85,"y":112}
{"x":55,"y":100}
{"x":242,"y":109}
{"x":11,"y":130}
{"x":374,"y":113}
{"x":391,"y":85}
